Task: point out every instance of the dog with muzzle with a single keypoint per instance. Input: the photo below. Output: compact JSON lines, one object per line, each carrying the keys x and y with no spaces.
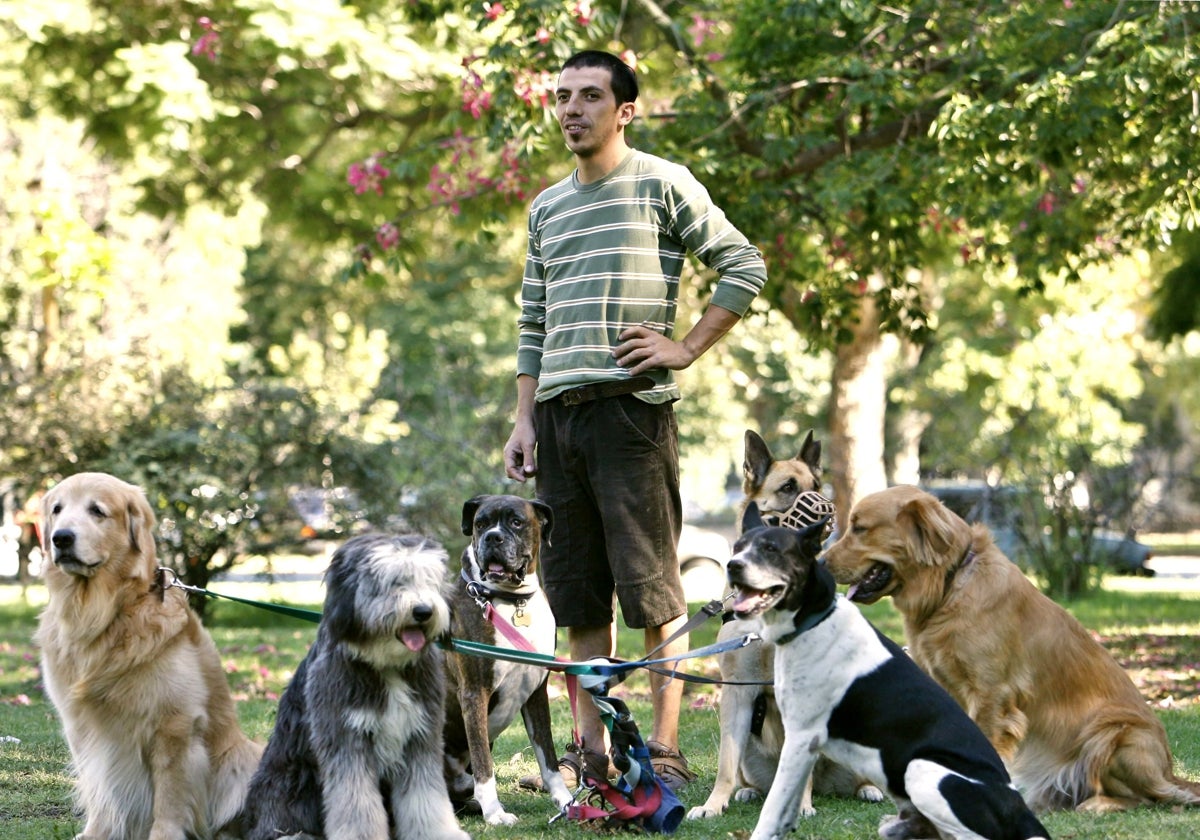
{"x":357,"y":749}
{"x":484,"y":696}
{"x":751,"y":728}
{"x":848,"y":692}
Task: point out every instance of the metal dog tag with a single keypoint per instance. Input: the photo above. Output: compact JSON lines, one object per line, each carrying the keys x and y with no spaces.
{"x":520,"y":617}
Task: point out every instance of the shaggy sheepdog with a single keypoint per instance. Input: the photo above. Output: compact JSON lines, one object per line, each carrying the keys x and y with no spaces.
{"x":357,"y":747}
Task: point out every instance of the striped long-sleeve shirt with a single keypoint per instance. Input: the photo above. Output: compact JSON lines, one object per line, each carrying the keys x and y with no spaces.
{"x":608,"y":255}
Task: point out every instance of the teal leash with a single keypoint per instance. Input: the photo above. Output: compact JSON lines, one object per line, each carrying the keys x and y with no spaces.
{"x":599,"y":667}
{"x":162,"y":584}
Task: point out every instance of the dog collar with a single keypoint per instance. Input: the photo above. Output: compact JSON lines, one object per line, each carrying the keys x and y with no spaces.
{"x":953,"y":571}
{"x":803,"y":625}
{"x":482,"y":590}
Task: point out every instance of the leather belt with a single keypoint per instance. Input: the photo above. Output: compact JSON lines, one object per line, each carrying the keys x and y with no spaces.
{"x":599,"y":390}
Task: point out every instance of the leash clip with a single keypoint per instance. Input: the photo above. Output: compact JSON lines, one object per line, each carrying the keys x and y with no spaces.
{"x":162,"y":585}
{"x":478,"y":594}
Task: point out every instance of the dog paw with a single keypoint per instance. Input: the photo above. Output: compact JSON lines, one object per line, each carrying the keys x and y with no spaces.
{"x":869,"y":793}
{"x":807,"y":811}
{"x":702,"y":812}
{"x":747,"y":794}
{"x":501,"y":818}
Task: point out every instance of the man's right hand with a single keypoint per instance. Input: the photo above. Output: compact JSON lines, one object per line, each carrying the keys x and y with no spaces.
{"x":520,"y":462}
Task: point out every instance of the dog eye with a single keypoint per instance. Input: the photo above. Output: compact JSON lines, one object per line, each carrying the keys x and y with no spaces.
{"x":96,"y":511}
{"x":56,"y":509}
{"x":789,"y":486}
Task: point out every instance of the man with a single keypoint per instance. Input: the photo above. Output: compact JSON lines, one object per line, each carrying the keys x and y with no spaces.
{"x":595,"y":384}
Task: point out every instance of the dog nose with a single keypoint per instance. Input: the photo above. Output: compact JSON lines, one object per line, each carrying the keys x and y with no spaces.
{"x":491,"y":537}
{"x":422,"y":612}
{"x":735,"y":564}
{"x":63,"y":539}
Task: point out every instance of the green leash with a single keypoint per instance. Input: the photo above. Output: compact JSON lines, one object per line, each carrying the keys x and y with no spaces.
{"x":162,"y":584}
{"x":594,"y":668}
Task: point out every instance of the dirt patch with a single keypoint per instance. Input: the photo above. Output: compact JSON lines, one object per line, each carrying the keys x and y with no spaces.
{"x":1166,"y":669}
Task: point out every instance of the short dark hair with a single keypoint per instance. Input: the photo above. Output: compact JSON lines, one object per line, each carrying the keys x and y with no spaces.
{"x":624,"y":80}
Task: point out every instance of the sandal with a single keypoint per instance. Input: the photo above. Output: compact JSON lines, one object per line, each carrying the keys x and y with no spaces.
{"x":570,"y":765}
{"x":669,"y":765}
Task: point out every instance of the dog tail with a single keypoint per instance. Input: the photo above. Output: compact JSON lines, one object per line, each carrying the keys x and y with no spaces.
{"x":1129,"y":755}
{"x":231,"y":781}
{"x":1180,"y":791}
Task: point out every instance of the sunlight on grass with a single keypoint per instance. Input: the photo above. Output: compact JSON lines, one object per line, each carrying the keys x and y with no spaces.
{"x":1144,"y":622}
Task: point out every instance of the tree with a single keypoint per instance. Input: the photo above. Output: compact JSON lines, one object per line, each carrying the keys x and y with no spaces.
{"x":865,"y":146}
{"x":863,"y":142}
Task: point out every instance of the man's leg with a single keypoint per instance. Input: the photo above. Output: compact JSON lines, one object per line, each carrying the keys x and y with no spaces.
{"x":586,"y":642}
{"x":666,"y":694}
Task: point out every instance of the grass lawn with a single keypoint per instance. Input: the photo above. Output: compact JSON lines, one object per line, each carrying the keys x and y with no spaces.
{"x":1151,"y":625}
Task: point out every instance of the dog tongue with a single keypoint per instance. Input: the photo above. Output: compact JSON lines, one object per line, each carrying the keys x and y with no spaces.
{"x":746,"y":599}
{"x":413,"y":639}
{"x":850,"y":592}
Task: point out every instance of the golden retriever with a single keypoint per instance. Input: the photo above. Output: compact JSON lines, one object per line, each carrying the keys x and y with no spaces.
{"x":145,"y":706}
{"x":1061,"y":712}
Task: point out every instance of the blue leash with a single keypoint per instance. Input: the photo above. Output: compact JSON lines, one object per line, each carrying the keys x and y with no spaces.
{"x":601,"y":668}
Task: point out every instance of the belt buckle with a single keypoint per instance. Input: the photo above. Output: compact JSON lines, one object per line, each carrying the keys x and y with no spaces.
{"x":574,"y":396}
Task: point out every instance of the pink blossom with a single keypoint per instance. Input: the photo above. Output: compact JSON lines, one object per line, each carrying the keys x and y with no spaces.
{"x":583,"y":12}
{"x":493,"y":10}
{"x":1046,"y":203}
{"x":388,"y":236}
{"x":542,"y":35}
{"x":367,"y":175}
{"x":475,"y":99}
{"x":443,"y":189}
{"x":534,"y":88}
{"x":209,"y":43}
{"x":630,"y":58}
{"x":461,"y":145}
{"x":701,"y":29}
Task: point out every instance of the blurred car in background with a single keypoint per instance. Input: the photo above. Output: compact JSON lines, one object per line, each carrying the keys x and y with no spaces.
{"x":996,"y":508}
{"x":703,"y":554}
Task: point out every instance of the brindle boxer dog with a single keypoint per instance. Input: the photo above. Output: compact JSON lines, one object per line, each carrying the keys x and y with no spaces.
{"x":484,"y":695}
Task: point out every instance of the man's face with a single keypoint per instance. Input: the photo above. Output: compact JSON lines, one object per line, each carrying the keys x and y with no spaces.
{"x":587,"y":110}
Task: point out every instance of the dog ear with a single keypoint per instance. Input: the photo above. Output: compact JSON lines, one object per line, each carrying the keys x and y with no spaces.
{"x":810,"y":452}
{"x":930,"y":528}
{"x":751,"y":518}
{"x":468,"y":514}
{"x":545,"y":517}
{"x":756,"y":462}
{"x":141,"y":521}
{"x":45,"y":527}
{"x":338,"y":614}
{"x":812,"y":537}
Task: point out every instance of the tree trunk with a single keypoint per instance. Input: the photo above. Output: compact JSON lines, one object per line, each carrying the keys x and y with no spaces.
{"x":856,"y":413}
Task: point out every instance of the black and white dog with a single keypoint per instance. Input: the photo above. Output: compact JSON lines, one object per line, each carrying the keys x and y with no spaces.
{"x":357,"y":749}
{"x":484,"y":696}
{"x":848,"y":692}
